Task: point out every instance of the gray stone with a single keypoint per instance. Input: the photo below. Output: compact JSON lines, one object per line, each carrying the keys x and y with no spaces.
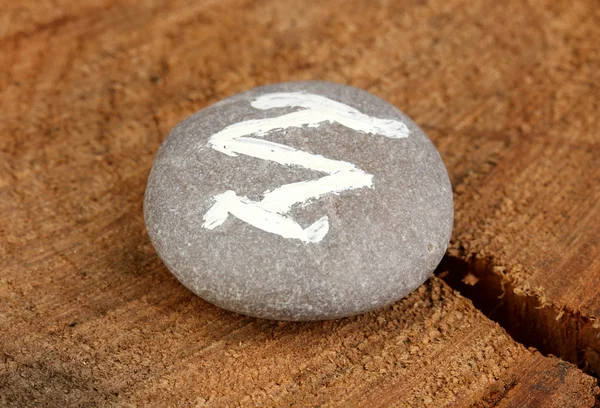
{"x":299,"y":201}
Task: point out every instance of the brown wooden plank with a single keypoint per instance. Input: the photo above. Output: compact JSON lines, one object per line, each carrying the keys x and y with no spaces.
{"x":527,"y":183}
{"x":89,"y":314}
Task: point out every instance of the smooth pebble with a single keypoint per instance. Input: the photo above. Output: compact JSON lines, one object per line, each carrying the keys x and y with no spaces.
{"x":299,"y":201}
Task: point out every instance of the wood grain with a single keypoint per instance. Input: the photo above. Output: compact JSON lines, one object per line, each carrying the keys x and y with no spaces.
{"x":89,"y":316}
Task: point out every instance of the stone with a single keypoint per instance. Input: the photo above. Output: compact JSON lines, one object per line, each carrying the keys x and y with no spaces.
{"x":299,"y":201}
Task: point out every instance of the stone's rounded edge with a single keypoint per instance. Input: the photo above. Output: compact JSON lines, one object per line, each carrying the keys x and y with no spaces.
{"x":274,"y":313}
{"x":283,"y":317}
{"x":449,"y":200}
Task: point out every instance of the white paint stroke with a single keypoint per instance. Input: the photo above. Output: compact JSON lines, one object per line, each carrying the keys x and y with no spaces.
{"x":269,"y":213}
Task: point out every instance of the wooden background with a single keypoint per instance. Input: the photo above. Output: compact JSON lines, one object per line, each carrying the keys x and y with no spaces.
{"x":509,"y":91}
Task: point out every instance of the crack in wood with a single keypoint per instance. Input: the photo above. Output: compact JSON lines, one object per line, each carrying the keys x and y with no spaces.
{"x":551,"y":330}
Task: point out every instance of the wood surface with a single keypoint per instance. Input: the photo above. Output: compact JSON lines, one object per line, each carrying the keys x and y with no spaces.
{"x":508,"y":91}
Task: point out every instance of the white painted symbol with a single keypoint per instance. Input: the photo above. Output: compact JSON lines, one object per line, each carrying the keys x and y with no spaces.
{"x":268,"y":214}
